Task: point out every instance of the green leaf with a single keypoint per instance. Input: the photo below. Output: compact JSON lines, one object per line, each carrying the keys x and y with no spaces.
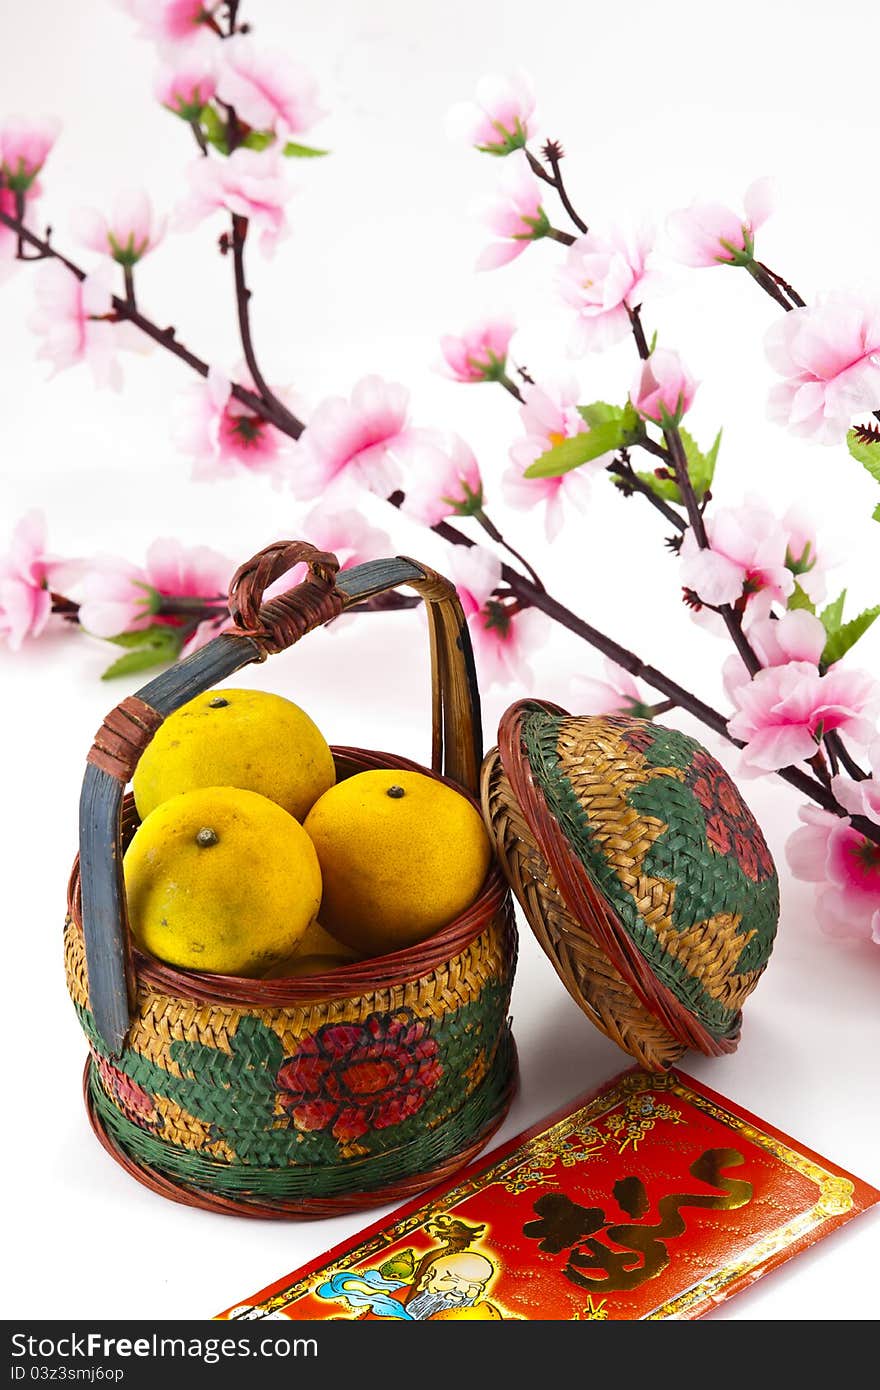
{"x":832,"y":616}
{"x":666,"y":488}
{"x":214,"y":128}
{"x":571,"y":453}
{"x":602,"y":413}
{"x":845,"y":637}
{"x":875,"y":515}
{"x":800,"y":599}
{"x":294,"y":151}
{"x":155,"y":646}
{"x":258,"y":140}
{"x":701,"y":468}
{"x":867,"y":454}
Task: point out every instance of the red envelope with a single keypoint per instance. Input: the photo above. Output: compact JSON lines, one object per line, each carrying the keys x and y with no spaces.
{"x":652,"y":1198}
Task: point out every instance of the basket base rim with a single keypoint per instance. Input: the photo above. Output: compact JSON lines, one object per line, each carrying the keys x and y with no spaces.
{"x":300,"y":1208}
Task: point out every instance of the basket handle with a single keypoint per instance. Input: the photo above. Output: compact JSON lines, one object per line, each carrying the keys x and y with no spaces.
{"x":260,"y":630}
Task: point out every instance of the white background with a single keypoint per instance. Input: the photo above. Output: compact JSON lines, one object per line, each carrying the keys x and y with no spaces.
{"x":656,"y":104}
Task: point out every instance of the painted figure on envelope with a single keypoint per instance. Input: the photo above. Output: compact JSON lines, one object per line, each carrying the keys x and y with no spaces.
{"x":450,"y":1281}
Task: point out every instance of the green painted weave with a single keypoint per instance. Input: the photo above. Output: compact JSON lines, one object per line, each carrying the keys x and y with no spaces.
{"x":711,"y":850}
{"x":416,"y":1147}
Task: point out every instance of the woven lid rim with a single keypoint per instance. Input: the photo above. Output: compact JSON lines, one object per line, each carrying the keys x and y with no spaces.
{"x":577,"y":888}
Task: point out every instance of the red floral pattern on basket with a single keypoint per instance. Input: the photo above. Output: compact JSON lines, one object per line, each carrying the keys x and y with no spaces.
{"x":730,"y":825}
{"x":360,"y":1076}
{"x":131,"y":1098}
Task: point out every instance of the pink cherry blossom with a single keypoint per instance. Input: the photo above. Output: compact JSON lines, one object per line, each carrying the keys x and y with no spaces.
{"x":27,"y":574}
{"x":549,"y":414}
{"x":345,"y":534}
{"x":116,"y":596}
{"x":711,"y":234}
{"x":796,"y":636}
{"x":827,"y":851}
{"x":605,"y":275}
{"x":663,"y":387}
{"x":171,"y":22}
{"x":829,"y":358}
{"x":442,"y":477}
{"x":24,"y":147}
{"x":515,"y":215}
{"x":783,"y":713}
{"x":128,"y":235}
{"x":503,"y":637}
{"x":268,"y":91}
{"x":498,"y":121}
{"x":745,"y":561}
{"x":188,"y":83}
{"x":223,"y":436}
{"x":250,"y":183}
{"x":353,"y":443}
{"x":861,"y":798}
{"x":478,"y":354}
{"x":618,"y":693}
{"x":70,"y":318}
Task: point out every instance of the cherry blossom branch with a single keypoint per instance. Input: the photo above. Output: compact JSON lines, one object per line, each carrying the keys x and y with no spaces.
{"x":492,"y":530}
{"x":675,"y":445}
{"x":529,"y":595}
{"x":621,"y":467}
{"x":631,"y":482}
{"x":565,"y":238}
{"x":165,"y":337}
{"x":283,"y":418}
{"x":553,"y":153}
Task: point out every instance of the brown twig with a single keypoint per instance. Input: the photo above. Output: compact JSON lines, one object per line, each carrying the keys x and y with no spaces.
{"x":678,"y":460}
{"x":282,"y":416}
{"x":165,"y":337}
{"x":565,"y":238}
{"x":492,"y":530}
{"x":631,"y":482}
{"x":553,"y":153}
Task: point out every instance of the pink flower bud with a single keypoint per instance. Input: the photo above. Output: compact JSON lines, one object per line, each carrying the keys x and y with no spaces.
{"x":442,"y":477}
{"x":128,"y":234}
{"x":24,"y":147}
{"x":515,"y":216}
{"x":664,"y":388}
{"x":498,"y":121}
{"x":708,"y":234}
{"x":480,"y":353}
{"x":188,"y":85}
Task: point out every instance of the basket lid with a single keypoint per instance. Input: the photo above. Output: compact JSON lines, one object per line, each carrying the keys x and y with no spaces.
{"x":657,"y":860}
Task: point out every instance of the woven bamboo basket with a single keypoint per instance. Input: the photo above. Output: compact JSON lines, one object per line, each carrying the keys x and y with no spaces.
{"x":310,"y":1096}
{"x":641,"y":871}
